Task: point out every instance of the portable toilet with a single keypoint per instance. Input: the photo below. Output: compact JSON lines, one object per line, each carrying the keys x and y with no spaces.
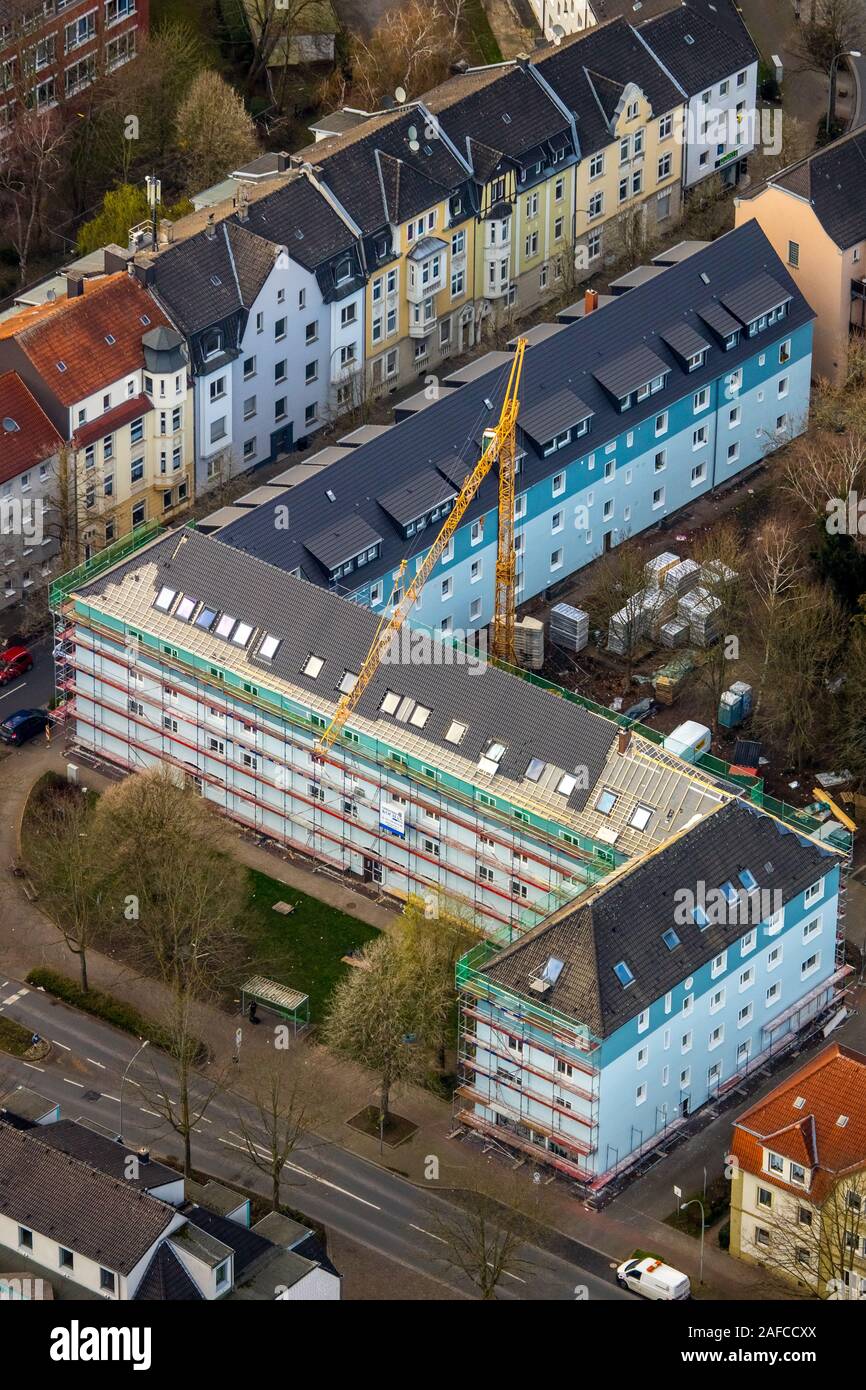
{"x":730,"y":709}
{"x":745,"y":693}
{"x":689,"y":740}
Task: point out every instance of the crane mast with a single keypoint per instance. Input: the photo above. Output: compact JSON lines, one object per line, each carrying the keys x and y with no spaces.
{"x":501,"y":447}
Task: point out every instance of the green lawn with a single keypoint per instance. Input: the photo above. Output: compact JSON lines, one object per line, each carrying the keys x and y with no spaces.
{"x":302,"y":950}
{"x":14,"y":1038}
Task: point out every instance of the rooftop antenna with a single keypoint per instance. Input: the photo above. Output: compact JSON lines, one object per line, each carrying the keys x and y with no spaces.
{"x":154,"y":194}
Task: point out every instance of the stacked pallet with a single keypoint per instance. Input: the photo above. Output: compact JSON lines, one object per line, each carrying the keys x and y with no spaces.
{"x":569,"y":627}
{"x":674,"y":633}
{"x":679,"y":579}
{"x":529,"y":643}
{"x":656,"y":569}
{"x":701,"y":611}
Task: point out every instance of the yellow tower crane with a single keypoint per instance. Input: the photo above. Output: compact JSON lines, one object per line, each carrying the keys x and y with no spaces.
{"x":499,"y":444}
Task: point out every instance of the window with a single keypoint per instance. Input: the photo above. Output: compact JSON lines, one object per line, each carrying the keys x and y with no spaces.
{"x":745,"y":1015}
{"x":658,"y":498}
{"x":661,"y":424}
{"x":659,"y":461}
{"x":556,"y":559}
{"x":785,"y":352}
{"x":812,"y":928}
{"x":107,"y":1280}
{"x":798,"y":1174}
{"x":782,"y":389}
{"x":794,"y":254}
{"x":699,"y":473}
{"x":279,"y":330}
{"x":762,"y":1236}
{"x":686,"y":1042}
{"x":810,"y":965}
{"x":664,"y":166}
{"x":773,"y":993}
{"x":640,"y":1094}
{"x":666,"y":125}
{"x":699,"y":437}
{"x":25,"y":1238}
{"x":764,"y":1197}
{"x":701,"y":399}
{"x":596,"y":205}
{"x":66,"y":1259}
{"x":643,"y":1020}
{"x":813,"y":892}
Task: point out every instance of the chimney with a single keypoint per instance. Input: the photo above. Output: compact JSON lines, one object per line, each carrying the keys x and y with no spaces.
{"x":243,"y":204}
{"x":590,"y":302}
{"x":283,"y":162}
{"x":210,"y":230}
{"x":623,"y":739}
{"x":74,"y":286}
{"x":166,"y":232}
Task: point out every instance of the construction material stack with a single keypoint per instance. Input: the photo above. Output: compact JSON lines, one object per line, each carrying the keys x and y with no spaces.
{"x":569,"y":627}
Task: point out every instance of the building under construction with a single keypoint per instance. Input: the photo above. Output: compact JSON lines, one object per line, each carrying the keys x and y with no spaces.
{"x":595,"y":1019}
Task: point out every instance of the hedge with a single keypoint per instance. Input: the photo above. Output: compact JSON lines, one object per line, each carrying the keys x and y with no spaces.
{"x":104,"y":1006}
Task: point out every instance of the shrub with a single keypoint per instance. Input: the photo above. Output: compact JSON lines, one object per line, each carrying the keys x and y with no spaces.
{"x":104,"y":1006}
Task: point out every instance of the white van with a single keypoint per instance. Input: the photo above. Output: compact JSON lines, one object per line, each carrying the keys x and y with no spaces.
{"x":653,"y":1279}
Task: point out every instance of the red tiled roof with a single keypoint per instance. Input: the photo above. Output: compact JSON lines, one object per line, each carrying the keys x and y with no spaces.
{"x":832,"y":1085}
{"x":112,"y":420}
{"x":35,"y":438}
{"x":75,"y":332}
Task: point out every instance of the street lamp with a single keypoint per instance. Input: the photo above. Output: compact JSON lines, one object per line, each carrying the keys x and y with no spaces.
{"x":831,"y":95}
{"x":123,"y":1079}
{"x":683,"y":1206}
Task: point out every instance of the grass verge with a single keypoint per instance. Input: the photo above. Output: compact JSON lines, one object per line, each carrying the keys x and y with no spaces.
{"x":104,"y":1006}
{"x":482,"y":34}
{"x":14,"y":1038}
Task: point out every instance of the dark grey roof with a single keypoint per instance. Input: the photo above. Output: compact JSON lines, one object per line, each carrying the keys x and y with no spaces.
{"x":587,"y":72}
{"x":684,"y":339}
{"x":165,"y":1280}
{"x":757,"y":296}
{"x":105,"y":1154}
{"x":444,"y":436}
{"x":533,"y":723}
{"x":69,"y":1201}
{"x":833,"y":180}
{"x":248,"y":1245}
{"x":343,"y":541}
{"x":426,"y":247}
{"x":418,"y":495}
{"x":300,"y":217}
{"x":206,"y":278}
{"x":633,"y":369}
{"x":719,"y":319}
{"x":721,"y":45}
{"x":506,"y":107}
{"x":625,"y":920}
{"x":551,"y":413}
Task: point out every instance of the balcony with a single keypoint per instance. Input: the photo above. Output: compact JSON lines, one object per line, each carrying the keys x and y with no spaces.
{"x":422,"y":318}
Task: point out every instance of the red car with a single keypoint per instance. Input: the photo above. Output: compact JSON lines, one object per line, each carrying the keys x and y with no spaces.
{"x":14,"y":663}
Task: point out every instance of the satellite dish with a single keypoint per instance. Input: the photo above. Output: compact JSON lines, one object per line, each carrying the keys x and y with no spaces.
{"x":414,"y":144}
{"x":400,"y":93}
{"x":558,"y":33}
{"x":10,"y":425}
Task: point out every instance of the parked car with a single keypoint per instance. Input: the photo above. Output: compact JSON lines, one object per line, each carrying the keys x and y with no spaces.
{"x":14,"y":662}
{"x":653,"y":1279}
{"x":23,"y":725}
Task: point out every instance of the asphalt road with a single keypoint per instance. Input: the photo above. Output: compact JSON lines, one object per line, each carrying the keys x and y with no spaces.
{"x":34,"y":689}
{"x":330,"y":1185}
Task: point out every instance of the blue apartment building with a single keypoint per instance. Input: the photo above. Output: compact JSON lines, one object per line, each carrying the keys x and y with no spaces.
{"x":593,"y":1038}
{"x":627,"y":414}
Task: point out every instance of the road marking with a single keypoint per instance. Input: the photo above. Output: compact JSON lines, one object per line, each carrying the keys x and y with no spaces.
{"x":12,"y":689}
{"x":55,"y":1043}
{"x":13,"y":998}
{"x":305,"y":1173}
{"x":96,"y":1064}
{"x":33,"y":1067}
{"x":79,"y":1084}
{"x":510,"y":1275}
{"x":150,"y":1112}
{"x":413,"y":1227}
{"x":116,"y":1099}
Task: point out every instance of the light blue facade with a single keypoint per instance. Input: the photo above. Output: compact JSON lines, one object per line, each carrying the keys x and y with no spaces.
{"x":603,"y":488}
{"x":593,"y":1105}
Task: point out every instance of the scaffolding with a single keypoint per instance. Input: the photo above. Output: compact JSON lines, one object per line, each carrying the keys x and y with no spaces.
{"x":495,"y":1061}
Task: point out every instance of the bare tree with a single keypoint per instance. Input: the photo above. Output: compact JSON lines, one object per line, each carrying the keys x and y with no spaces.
{"x":411,"y":48}
{"x":31,"y":159}
{"x":482,"y":1237}
{"x":777,"y":570}
{"x":618,"y":579}
{"x":833,"y":27}
{"x":283,"y":1109}
{"x":804,"y":656}
{"x":815,"y":1244}
{"x":176,"y":1090}
{"x":719,"y":555}
{"x":63,"y":858}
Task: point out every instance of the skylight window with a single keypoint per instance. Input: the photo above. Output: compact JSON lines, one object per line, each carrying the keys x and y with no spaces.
{"x":842,"y":1121}
{"x":455,"y":732}
{"x":165,"y":598}
{"x":640,"y":817}
{"x":206,"y":618}
{"x":606,"y":802}
{"x":699,"y":917}
{"x":730,"y":893}
{"x":186,"y":608}
{"x":552,"y":970}
{"x":347,"y":682}
{"x":215,"y":280}
{"x":799,"y":1102}
{"x":331,"y":495}
{"x":110,"y":339}
{"x":241,"y":635}
{"x":313,"y":666}
{"x":535,"y":769}
{"x":145,"y":320}
{"x":390,"y":702}
{"x":404,"y":709}
{"x":495,"y":751}
{"x":670,"y":939}
{"x":61,"y":366}
{"x":224,"y":627}
{"x":419,"y":716}
{"x":268,"y":647}
{"x":567,"y":784}
{"x":623,"y":974}
{"x":748,"y":880}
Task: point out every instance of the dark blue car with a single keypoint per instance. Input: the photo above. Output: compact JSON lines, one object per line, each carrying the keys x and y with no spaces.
{"x":23,"y":725}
